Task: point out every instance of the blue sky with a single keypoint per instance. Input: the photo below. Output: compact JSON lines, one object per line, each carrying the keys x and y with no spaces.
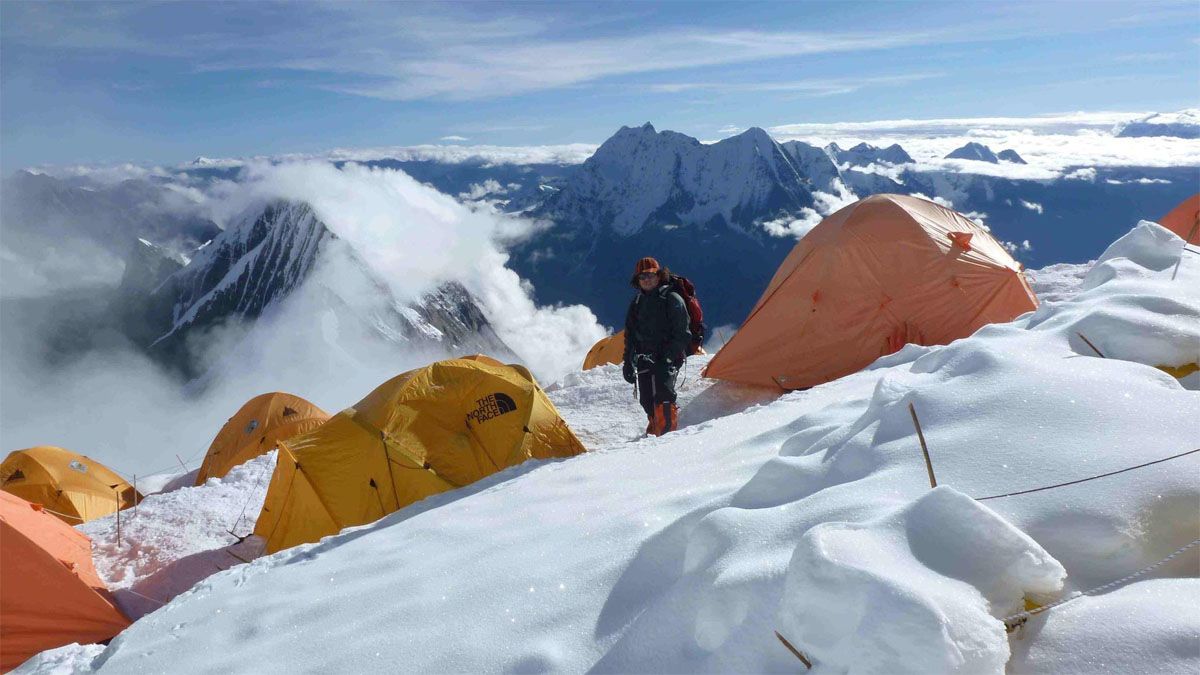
{"x":165,"y":82}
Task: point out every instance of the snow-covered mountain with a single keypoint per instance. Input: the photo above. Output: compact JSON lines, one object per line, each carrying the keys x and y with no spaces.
{"x":976,"y":151}
{"x":1182,"y":124}
{"x":982,"y":153}
{"x":698,"y":208}
{"x":644,"y":178}
{"x":865,"y":154}
{"x":260,"y":261}
{"x":814,"y":164}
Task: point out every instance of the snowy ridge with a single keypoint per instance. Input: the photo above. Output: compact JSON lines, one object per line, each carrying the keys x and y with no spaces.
{"x":810,"y":515}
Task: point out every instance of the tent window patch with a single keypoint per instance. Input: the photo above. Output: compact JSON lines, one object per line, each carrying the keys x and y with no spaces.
{"x":251,"y":426}
{"x":492,"y":406}
{"x":77,"y":465}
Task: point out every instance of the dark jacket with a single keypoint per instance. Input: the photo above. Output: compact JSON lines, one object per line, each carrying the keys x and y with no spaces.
{"x":657,"y":325}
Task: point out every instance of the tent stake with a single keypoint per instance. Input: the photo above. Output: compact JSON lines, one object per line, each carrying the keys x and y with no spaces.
{"x":795,"y":652}
{"x":1089,"y":343}
{"x":924,"y":448}
{"x":117,"y":496}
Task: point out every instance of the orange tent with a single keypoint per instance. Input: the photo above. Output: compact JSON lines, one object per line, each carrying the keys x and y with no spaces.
{"x":50,"y":594}
{"x":880,"y":273}
{"x":1184,"y":220}
{"x":73,"y":487}
{"x":608,"y":350}
{"x":256,"y":428}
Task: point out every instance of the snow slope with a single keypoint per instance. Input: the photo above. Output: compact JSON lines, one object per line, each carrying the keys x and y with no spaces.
{"x":810,"y":515}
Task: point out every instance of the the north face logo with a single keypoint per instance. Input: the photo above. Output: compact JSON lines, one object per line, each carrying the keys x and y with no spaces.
{"x":492,"y":405}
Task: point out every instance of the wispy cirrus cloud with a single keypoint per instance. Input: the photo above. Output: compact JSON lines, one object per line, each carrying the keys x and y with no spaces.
{"x":810,"y":87}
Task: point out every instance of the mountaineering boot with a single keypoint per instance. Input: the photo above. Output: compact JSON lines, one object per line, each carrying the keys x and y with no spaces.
{"x":650,"y":425}
{"x":666,"y":418}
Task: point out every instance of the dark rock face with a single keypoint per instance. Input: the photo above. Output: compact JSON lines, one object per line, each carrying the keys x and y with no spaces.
{"x":1010,"y":156}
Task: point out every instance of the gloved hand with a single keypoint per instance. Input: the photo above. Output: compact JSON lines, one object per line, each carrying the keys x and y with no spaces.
{"x":628,"y":372}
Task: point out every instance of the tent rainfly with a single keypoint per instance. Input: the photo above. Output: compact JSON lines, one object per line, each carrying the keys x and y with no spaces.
{"x":256,"y":429}
{"x":878,"y":274}
{"x":421,"y":433}
{"x":1184,"y":220}
{"x":608,"y":350}
{"x":73,"y":487}
{"x":50,"y":594}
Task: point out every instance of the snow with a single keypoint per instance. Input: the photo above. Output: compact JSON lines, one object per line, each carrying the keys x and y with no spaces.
{"x":943,"y":567}
{"x":808,"y":513}
{"x":1154,"y":623}
{"x":176,"y":538}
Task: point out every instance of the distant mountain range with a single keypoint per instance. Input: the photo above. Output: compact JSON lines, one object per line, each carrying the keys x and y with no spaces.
{"x":709,"y":211}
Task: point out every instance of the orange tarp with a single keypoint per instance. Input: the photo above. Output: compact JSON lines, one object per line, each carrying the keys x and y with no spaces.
{"x":74,"y":487}
{"x":50,"y":594}
{"x":608,"y":350}
{"x":256,"y":429}
{"x":880,"y":273}
{"x":1184,"y":220}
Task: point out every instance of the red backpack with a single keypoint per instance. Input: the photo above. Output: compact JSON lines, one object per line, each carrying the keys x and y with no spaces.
{"x":687,"y":290}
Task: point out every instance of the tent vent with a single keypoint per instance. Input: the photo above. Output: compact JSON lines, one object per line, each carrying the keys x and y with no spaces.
{"x":15,"y":476}
{"x":288,"y":412}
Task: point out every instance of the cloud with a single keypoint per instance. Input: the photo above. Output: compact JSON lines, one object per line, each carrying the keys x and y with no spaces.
{"x":454,"y":139}
{"x":811,"y":87}
{"x":1087,"y":174}
{"x":1051,"y":144}
{"x":408,"y":235}
{"x":825,"y":203}
{"x":1033,"y":206}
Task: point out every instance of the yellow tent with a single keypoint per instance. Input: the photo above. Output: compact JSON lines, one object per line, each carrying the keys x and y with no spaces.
{"x":423,"y":432}
{"x":608,"y":350}
{"x":73,"y":487}
{"x":256,"y":429}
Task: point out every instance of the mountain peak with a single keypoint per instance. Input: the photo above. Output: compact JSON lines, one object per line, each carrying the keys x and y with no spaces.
{"x":1010,"y":156}
{"x":975,"y":151}
{"x":864,"y":154}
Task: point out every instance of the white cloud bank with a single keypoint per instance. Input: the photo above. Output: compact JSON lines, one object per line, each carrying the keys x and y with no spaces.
{"x":1049,"y":143}
{"x":411,"y":238}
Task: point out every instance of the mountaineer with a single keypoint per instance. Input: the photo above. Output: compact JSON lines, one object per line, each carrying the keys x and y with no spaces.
{"x":657,"y":340}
